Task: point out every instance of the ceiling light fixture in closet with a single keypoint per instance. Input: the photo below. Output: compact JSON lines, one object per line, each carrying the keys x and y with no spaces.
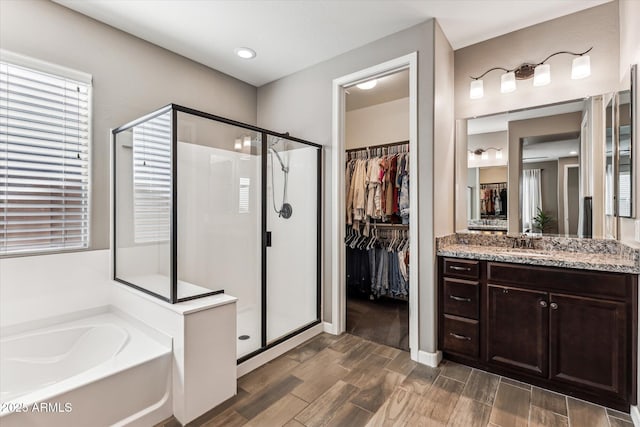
{"x":541,"y":73}
{"x":245,"y":52}
{"x":368,"y":84}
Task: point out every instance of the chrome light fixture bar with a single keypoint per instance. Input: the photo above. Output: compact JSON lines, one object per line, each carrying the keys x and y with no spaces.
{"x":541,"y":73}
{"x":484,"y":153}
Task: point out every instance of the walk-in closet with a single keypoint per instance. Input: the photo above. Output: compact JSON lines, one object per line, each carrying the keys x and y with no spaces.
{"x":377,"y":257}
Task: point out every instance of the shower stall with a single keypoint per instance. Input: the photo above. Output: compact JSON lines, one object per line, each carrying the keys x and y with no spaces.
{"x":203,"y":205}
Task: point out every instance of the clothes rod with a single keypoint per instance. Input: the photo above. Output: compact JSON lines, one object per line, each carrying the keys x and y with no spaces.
{"x":373,"y":147}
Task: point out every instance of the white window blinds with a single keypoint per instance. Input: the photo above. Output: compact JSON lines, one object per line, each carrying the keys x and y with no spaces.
{"x":152,"y":180}
{"x":44,"y":160}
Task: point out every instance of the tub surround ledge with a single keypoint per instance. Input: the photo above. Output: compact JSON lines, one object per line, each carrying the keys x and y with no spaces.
{"x":566,"y":252}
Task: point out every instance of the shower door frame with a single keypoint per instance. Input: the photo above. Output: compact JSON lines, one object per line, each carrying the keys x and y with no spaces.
{"x":174,"y":109}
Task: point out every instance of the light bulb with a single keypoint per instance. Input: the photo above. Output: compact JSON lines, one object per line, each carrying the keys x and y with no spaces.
{"x":581,"y":67}
{"x":238,"y":145}
{"x":472,"y":156}
{"x":246,"y":141}
{"x":499,"y":155}
{"x":485,"y":155}
{"x":245,"y":52}
{"x":542,"y":75}
{"x":368,"y":85}
{"x":508,"y":82}
{"x":476,"y":90}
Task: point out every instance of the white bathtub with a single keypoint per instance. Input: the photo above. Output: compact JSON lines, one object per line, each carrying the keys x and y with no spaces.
{"x":100,"y":370}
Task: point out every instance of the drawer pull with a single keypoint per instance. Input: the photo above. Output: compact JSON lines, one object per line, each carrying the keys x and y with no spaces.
{"x":455,"y":267}
{"x":460,"y":337}
{"x":457,"y":298}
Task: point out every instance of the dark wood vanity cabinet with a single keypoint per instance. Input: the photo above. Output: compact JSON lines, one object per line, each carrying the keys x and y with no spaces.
{"x":517,"y":329}
{"x":573,"y":331}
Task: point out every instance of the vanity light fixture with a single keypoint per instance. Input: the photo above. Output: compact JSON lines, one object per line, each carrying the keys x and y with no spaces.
{"x":245,"y":52}
{"x":246,"y":141}
{"x":484,"y":153}
{"x":508,"y":82}
{"x":541,"y":73}
{"x":367,"y":85}
{"x":238,"y":145}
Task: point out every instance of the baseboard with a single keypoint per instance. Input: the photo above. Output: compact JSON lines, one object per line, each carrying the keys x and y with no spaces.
{"x":635,"y":415}
{"x":270,"y":354}
{"x":330,"y":328}
{"x":429,"y":359}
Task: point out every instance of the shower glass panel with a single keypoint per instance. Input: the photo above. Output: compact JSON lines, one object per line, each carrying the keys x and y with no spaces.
{"x":219,"y":217}
{"x":142,"y":199}
{"x":205,"y":204}
{"x":292,"y":211}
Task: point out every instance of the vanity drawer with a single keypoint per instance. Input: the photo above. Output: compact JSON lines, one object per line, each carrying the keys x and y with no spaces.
{"x":460,"y":298}
{"x":461,"y":335}
{"x":463,"y":268}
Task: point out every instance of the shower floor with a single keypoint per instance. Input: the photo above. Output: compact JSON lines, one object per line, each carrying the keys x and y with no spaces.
{"x":249,"y":322}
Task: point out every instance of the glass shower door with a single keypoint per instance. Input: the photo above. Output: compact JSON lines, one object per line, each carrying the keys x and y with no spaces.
{"x":292,"y":219}
{"x":219,"y":218}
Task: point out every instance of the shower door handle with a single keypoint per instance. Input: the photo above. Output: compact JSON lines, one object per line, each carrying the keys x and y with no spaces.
{"x":268,"y":239}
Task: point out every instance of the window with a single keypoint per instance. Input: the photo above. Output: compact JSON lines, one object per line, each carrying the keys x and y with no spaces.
{"x":45,"y":129}
{"x":243,"y":205}
{"x":152,"y":180}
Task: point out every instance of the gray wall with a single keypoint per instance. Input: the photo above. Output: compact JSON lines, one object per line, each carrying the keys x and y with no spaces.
{"x":131,"y":77}
{"x":549,"y":185}
{"x":597,"y":27}
{"x":302,"y":105}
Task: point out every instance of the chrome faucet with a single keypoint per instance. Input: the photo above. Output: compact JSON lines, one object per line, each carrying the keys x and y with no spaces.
{"x":522,"y":242}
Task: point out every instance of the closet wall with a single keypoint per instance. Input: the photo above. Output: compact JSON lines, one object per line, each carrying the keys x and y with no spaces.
{"x":378,"y":124}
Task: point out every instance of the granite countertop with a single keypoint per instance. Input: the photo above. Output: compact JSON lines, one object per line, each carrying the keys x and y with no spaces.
{"x":585,"y":254}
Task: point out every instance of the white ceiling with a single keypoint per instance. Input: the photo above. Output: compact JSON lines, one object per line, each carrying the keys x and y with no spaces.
{"x":550,"y":150}
{"x":290,"y":35}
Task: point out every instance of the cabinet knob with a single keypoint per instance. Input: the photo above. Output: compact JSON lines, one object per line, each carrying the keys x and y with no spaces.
{"x":554,"y":306}
{"x":543,"y":304}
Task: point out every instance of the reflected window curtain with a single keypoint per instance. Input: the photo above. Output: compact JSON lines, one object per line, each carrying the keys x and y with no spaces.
{"x":531,"y":197}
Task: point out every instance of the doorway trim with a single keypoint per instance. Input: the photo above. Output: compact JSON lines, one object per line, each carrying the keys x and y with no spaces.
{"x":565,"y":188}
{"x":338,"y":282}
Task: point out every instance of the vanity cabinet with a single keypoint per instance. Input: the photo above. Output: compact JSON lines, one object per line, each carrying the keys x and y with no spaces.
{"x":573,"y":331}
{"x":517,"y":329}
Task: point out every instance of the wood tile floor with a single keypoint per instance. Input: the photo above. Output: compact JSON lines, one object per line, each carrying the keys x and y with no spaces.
{"x":349,"y":381}
{"x":384,"y":321}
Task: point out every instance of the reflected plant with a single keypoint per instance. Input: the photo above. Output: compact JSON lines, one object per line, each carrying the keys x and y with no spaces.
{"x":542,"y":221}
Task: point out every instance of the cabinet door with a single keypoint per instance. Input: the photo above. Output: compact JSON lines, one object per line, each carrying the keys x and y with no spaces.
{"x":517,"y":330}
{"x":588,"y":342}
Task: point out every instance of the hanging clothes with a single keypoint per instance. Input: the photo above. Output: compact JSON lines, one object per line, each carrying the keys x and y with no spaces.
{"x":377,"y":188}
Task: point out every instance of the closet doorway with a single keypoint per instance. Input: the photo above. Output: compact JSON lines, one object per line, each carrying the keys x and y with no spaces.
{"x":377,"y":231}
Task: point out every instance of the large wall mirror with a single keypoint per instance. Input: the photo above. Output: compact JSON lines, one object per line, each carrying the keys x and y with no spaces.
{"x":524,"y":170}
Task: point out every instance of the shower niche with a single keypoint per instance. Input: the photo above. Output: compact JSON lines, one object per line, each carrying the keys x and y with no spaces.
{"x":204,"y":205}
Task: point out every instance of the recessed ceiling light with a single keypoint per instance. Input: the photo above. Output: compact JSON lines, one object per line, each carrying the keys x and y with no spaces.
{"x":573,"y":152}
{"x":368,"y":85}
{"x":245,"y":52}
